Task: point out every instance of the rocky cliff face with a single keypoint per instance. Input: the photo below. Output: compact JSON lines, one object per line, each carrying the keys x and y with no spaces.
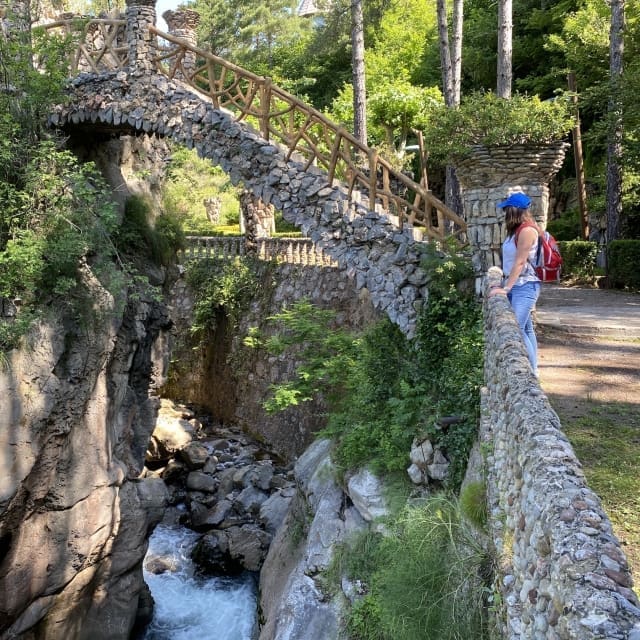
{"x":78,"y":410}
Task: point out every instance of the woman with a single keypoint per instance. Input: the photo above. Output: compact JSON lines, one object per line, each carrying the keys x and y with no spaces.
{"x":521,"y":284}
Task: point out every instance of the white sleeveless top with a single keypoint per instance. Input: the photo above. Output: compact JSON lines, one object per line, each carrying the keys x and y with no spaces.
{"x":509,"y":250}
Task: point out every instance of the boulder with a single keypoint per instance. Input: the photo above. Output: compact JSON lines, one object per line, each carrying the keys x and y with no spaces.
{"x":365,"y":491}
{"x":194,"y":455}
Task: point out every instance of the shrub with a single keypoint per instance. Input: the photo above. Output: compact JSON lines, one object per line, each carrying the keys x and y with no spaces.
{"x":567,"y":227}
{"x":483,"y":118}
{"x":137,"y":239}
{"x":579,"y":259}
{"x":624,"y":258}
{"x":422,"y":578}
{"x":221,"y":286}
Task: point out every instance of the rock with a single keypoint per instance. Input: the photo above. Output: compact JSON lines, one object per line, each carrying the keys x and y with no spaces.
{"x":421,"y":453}
{"x":204,"y":519}
{"x":415,"y":474}
{"x":261,"y":476}
{"x":171,"y":433}
{"x":194,"y":455}
{"x":365,"y":491}
{"x":440,"y":467}
{"x":211,"y":554}
{"x":273,"y":511}
{"x":199,"y":481}
{"x":248,"y":545}
{"x":251,"y":499}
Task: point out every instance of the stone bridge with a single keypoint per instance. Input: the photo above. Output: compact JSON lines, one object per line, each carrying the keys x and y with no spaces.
{"x":370,"y":219}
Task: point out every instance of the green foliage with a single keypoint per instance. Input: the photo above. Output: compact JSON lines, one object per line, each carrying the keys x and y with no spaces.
{"x":221,"y":287}
{"x":138,"y":240}
{"x":326,"y":355}
{"x":473,"y":503}
{"x":13,"y":329}
{"x":624,"y":258}
{"x":382,"y":390}
{"x":579,"y":259}
{"x":567,"y":227}
{"x":191,"y":180}
{"x":485,"y":119}
{"x":422,"y":577}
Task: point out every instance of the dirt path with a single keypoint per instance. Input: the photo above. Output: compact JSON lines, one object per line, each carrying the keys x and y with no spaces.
{"x":593,"y":383}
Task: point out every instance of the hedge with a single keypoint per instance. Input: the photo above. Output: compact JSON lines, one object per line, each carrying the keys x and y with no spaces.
{"x":624,"y":258}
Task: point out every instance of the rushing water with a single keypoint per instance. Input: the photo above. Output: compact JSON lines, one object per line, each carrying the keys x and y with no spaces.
{"x":189,"y":606}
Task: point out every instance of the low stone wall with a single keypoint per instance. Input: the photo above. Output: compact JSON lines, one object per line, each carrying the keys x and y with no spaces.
{"x":562,"y":571}
{"x":288,"y":250}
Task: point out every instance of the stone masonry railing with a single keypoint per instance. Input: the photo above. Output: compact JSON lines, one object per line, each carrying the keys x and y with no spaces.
{"x":561,"y":568}
{"x":300,"y":251}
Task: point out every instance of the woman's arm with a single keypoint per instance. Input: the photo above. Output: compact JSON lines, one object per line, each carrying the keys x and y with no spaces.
{"x":527,"y":238}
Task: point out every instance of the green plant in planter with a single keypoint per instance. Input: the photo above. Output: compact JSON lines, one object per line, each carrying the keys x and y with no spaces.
{"x":485,"y":119}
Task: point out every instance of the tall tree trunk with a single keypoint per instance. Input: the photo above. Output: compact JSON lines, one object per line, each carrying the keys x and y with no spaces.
{"x":357,"y":60}
{"x":505,"y":46}
{"x":614,"y":142}
{"x":445,"y":53}
{"x":451,"y":64}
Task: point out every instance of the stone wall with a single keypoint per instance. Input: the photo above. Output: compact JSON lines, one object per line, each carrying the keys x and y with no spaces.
{"x":232,"y":380}
{"x":561,"y":569}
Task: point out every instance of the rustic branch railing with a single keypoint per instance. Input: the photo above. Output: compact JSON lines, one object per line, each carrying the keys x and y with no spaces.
{"x":305,"y":133}
{"x":288,"y":250}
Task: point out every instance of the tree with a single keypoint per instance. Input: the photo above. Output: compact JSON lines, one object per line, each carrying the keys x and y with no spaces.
{"x":614,"y":142}
{"x":505,"y":46}
{"x":358,"y":71}
{"x":451,"y":63}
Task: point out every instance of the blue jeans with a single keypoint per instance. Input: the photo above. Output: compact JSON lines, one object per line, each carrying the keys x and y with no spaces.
{"x":523,"y":299}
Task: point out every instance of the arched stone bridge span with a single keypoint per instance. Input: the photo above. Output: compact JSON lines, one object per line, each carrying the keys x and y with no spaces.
{"x":370,"y":221}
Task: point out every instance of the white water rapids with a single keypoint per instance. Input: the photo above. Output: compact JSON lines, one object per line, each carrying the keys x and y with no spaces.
{"x":190,"y":606}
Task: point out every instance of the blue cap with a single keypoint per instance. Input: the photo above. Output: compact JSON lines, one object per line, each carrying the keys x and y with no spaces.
{"x":518,"y":200}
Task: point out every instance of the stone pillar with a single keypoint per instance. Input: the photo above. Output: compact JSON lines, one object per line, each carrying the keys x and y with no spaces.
{"x":257,"y":220}
{"x":183,"y":24}
{"x":141,"y":14}
{"x":488,"y":176}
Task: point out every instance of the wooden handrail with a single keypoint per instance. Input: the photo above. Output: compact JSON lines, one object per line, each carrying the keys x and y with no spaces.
{"x":282,"y":118}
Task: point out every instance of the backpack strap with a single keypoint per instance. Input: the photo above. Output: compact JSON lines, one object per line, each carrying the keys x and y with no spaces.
{"x":533,"y":225}
{"x":524,"y":225}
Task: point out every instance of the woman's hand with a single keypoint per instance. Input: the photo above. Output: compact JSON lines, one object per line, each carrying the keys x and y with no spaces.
{"x":496,"y":291}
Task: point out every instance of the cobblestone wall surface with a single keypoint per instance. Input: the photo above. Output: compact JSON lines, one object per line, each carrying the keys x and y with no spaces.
{"x":563,"y":572}
{"x":366,"y":244}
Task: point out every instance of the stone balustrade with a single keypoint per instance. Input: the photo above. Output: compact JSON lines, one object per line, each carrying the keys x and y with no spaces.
{"x":300,"y":251}
{"x":561,"y":569}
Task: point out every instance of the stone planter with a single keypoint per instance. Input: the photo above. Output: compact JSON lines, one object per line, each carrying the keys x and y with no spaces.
{"x":488,"y":175}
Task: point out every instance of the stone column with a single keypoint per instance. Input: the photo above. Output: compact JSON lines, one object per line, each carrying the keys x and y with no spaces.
{"x":141,"y":14}
{"x":488,"y":176}
{"x":183,"y":24}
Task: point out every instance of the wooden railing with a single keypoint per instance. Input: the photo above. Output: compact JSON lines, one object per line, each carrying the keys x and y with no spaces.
{"x":288,"y":250}
{"x":304,"y":133}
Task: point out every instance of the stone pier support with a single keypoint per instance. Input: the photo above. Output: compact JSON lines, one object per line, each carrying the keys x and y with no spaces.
{"x":141,"y":14}
{"x":183,"y":24}
{"x":488,"y":176}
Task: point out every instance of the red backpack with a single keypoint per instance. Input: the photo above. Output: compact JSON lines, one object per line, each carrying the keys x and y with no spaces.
{"x":548,"y":262}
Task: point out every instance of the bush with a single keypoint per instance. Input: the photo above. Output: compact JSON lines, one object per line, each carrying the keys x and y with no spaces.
{"x":567,"y":227}
{"x":136,"y":238}
{"x":485,"y":119}
{"x":579,"y":259}
{"x":423,"y":577}
{"x":624,"y":258}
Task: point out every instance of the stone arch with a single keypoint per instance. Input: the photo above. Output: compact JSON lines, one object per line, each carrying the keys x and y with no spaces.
{"x":381,"y":257}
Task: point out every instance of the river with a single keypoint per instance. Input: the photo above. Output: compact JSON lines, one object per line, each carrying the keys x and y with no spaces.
{"x":189,"y":606}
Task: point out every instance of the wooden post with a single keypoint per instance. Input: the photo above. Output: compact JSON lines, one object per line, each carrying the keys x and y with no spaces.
{"x":577,"y":152}
{"x":265,"y":106}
